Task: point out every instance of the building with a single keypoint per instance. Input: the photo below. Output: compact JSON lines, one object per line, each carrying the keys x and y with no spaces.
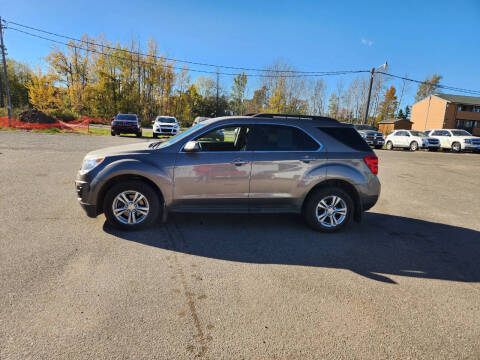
{"x":444,"y":111}
{"x":387,"y":126}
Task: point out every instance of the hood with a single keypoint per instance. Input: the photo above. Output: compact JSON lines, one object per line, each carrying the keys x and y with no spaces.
{"x":370,"y":132}
{"x":135,"y":148}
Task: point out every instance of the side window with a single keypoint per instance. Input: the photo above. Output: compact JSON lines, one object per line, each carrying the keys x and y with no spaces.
{"x":230,"y":138}
{"x":279,"y":138}
{"x":402,"y":133}
{"x":347,"y":136}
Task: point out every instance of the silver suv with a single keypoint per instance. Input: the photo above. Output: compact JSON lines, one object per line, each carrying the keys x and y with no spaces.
{"x":265,"y":163}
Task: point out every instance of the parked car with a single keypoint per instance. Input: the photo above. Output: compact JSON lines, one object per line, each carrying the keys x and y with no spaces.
{"x":456,"y":139}
{"x":411,"y":139}
{"x":126,"y":124}
{"x":165,"y":125}
{"x":265,"y":163}
{"x":199,"y":119}
{"x":371,"y":136}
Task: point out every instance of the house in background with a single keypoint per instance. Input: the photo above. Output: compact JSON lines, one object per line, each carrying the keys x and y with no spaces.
{"x":445,"y":111}
{"x":387,"y":126}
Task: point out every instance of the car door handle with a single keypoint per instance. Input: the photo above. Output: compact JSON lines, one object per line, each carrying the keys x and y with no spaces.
{"x":239,"y":162}
{"x":306,"y":159}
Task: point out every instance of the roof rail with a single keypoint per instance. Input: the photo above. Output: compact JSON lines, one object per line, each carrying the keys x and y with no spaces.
{"x":292,"y":116}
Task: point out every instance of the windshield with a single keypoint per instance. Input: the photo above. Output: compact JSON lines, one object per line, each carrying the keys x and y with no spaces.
{"x":460,"y":133}
{"x":166,"y":119}
{"x":180,"y":136}
{"x":364,"y":127}
{"x":131,"y":117}
{"x":417,"y":133}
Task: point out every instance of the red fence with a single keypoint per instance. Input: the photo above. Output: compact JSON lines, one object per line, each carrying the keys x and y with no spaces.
{"x":81,"y":124}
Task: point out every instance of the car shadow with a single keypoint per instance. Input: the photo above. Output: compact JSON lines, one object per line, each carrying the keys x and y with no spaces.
{"x":381,"y":245}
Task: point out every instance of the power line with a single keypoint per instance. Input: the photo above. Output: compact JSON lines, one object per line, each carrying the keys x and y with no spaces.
{"x":172,"y":59}
{"x":179,"y":68}
{"x":439,"y":86}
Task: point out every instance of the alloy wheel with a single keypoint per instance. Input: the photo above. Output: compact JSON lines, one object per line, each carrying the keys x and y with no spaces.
{"x":130,"y":207}
{"x":331,"y":211}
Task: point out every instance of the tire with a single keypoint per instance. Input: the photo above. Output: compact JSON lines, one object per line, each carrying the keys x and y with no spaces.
{"x":389,"y":145}
{"x":155,"y":135}
{"x":313,"y":208}
{"x":413,"y":146}
{"x":130,"y":188}
{"x":456,"y":147}
{"x":433,"y":149}
{"x":139,"y":134}
{"x":378,"y":147}
{"x":112,"y":133}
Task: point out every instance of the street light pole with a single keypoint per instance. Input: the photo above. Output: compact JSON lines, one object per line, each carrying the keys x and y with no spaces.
{"x":372,"y":73}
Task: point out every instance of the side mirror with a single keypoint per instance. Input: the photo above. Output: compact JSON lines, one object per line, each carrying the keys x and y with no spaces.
{"x":191,"y":146}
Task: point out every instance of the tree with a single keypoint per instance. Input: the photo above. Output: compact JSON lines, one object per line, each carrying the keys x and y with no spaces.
{"x":333,"y":105}
{"x":428,"y":87}
{"x":389,"y":104}
{"x":317,"y":99}
{"x":238,"y":93}
{"x":43,"y":95}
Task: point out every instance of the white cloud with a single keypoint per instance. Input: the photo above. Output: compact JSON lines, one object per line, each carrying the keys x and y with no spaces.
{"x":366,"y":42}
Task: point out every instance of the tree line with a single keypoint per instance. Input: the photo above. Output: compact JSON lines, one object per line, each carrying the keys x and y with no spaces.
{"x":99,"y":79}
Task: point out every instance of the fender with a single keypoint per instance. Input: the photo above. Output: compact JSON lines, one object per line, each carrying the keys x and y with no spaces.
{"x":161,"y":177}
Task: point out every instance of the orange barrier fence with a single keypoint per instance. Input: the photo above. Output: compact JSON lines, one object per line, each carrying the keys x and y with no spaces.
{"x":81,"y":124}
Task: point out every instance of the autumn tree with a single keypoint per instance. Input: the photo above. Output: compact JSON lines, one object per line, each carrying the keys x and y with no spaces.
{"x":428,"y":87}
{"x":388,"y":106}
{"x":42,"y":93}
{"x":333,"y":105}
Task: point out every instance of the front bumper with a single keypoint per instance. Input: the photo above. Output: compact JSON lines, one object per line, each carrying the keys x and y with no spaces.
{"x":125,"y":129}
{"x":430,"y":146}
{"x":471,"y":147}
{"x":375,"y":142}
{"x":165,"y":131}
{"x":82,"y":188}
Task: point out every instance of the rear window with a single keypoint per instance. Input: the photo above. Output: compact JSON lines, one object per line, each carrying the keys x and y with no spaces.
{"x":347,"y":136}
{"x":126,"y":117}
{"x":279,"y":138}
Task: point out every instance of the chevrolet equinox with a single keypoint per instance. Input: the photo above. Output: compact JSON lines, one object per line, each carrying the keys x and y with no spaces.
{"x":263,"y":163}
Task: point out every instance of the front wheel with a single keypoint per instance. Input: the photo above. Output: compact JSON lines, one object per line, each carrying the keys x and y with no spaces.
{"x":389,"y":145}
{"x":139,"y":134}
{"x":328,"y":210}
{"x":413,"y":146}
{"x":112,"y":133}
{"x":155,"y":135}
{"x":456,"y":147}
{"x":131,"y":205}
{"x":378,"y":147}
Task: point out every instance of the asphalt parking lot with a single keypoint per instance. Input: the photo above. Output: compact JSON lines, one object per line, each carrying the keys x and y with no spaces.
{"x":403,"y":284}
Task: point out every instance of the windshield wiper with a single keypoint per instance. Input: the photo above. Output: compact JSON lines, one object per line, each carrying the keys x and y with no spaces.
{"x":154,"y":145}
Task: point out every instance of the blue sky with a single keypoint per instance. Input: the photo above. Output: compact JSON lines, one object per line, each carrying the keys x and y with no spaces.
{"x":415,"y":37}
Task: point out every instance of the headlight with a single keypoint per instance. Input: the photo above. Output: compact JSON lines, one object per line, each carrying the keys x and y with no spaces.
{"x":363,"y":135}
{"x":89,"y":164}
{"x":468,"y":141}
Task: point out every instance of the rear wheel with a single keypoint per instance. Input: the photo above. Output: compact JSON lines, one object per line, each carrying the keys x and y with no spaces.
{"x":456,"y":147}
{"x":131,"y":205}
{"x":389,"y":145}
{"x":328,"y":210}
{"x":112,"y":133}
{"x":413,"y":146}
{"x":139,"y":134}
{"x":155,"y":135}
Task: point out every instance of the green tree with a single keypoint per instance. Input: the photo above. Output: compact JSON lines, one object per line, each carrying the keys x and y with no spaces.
{"x":238,"y":93}
{"x":428,"y":87}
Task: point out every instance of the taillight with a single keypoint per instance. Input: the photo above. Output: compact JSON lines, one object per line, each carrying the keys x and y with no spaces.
{"x":372,"y":163}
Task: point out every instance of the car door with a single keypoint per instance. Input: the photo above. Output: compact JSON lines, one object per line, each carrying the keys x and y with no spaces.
{"x":443,"y":136}
{"x":282,"y":155}
{"x":217,"y":176}
{"x":401,"y":138}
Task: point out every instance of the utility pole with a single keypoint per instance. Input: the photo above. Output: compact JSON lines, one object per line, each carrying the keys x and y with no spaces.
{"x":372,"y":73}
{"x":5,"y":71}
{"x":365,"y":119}
{"x":216,"y":109}
{"x":2,"y":103}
